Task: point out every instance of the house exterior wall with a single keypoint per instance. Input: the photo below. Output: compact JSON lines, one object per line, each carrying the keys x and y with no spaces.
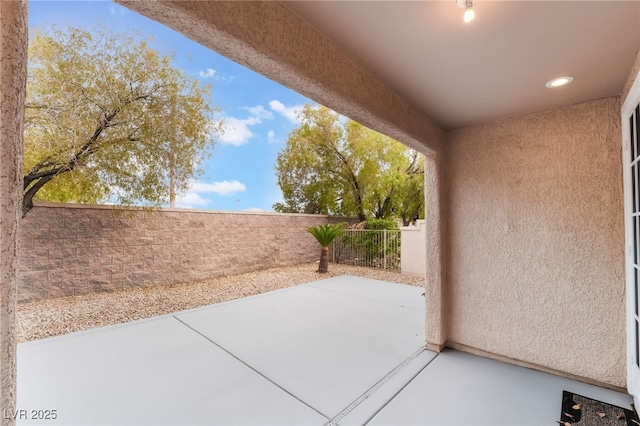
{"x":436,"y":209}
{"x":13,"y":80}
{"x":536,"y":266}
{"x":74,"y":249}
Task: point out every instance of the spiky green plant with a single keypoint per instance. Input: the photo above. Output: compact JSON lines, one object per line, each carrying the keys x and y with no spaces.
{"x":325,"y":234}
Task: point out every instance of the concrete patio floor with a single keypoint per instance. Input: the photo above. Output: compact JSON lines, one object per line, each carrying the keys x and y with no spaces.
{"x":345,"y":350}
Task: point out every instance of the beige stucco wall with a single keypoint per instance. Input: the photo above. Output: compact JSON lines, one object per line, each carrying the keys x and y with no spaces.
{"x":436,"y":222}
{"x":413,"y":249}
{"x":13,"y":67}
{"x":536,"y":268}
{"x":73,"y":249}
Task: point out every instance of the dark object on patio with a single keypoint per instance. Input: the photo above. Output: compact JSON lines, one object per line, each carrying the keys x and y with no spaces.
{"x":582,"y":411}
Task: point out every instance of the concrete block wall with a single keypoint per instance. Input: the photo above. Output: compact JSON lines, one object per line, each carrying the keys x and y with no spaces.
{"x":76,"y":249}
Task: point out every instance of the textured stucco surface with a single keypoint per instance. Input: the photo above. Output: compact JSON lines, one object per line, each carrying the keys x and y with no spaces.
{"x":436,"y":251}
{"x":68,"y":250}
{"x":537,"y":240}
{"x":13,"y":57}
{"x":270,"y":39}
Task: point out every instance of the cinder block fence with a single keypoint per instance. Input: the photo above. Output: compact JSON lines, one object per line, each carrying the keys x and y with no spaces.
{"x":75,"y":249}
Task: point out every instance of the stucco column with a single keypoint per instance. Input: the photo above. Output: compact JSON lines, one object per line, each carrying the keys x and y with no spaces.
{"x":13,"y":77}
{"x":435,"y":221}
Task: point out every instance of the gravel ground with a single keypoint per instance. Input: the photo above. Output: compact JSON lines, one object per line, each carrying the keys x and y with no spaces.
{"x":54,"y":317}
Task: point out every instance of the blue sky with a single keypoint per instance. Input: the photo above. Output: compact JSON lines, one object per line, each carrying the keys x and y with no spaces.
{"x":259,"y":113}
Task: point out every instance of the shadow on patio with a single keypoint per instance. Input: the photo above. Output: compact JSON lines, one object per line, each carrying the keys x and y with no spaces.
{"x":344,"y":350}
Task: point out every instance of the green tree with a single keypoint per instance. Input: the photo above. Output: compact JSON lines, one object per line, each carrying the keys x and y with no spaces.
{"x":109,"y":118}
{"x":409,"y":204}
{"x":325,"y":234}
{"x":331,"y":166}
{"x":306,"y":163}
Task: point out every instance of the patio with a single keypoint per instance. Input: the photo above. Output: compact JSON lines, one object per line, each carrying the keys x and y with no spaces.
{"x":344,"y":350}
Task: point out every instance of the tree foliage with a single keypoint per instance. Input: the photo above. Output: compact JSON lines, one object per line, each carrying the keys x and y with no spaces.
{"x":379,"y":224}
{"x":325,"y":234}
{"x":109,"y":118}
{"x":331,"y":166}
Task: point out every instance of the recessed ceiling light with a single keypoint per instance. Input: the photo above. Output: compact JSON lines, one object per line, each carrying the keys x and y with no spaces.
{"x":560,"y":81}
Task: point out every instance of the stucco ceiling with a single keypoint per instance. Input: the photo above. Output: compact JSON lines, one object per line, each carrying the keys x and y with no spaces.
{"x":497,"y":65}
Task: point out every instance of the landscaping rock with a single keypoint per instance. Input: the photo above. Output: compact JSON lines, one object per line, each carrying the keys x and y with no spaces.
{"x":63,"y":315}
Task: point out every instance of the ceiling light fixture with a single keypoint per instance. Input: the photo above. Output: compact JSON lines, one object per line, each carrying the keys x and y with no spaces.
{"x":469,"y":13}
{"x":560,"y":81}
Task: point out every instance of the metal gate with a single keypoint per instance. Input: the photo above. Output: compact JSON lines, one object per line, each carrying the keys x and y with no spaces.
{"x":368,"y":247}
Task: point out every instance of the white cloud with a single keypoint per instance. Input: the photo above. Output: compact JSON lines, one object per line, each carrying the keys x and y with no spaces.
{"x":236,"y":131}
{"x":260,"y":112}
{"x":191,"y":200}
{"x":254,"y":209}
{"x":214,"y":74}
{"x":291,"y":113}
{"x":224,"y":188}
{"x":196,"y":195}
{"x":271,"y":136}
{"x":208,"y":73}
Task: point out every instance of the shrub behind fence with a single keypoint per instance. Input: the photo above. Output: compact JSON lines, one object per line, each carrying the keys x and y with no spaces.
{"x":368,"y":247}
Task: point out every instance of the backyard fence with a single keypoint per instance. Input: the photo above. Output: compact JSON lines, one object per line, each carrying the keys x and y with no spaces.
{"x":368,"y":247}
{"x":74,"y":249}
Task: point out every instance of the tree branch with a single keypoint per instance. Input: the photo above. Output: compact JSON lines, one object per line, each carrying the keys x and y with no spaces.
{"x":27,"y":199}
